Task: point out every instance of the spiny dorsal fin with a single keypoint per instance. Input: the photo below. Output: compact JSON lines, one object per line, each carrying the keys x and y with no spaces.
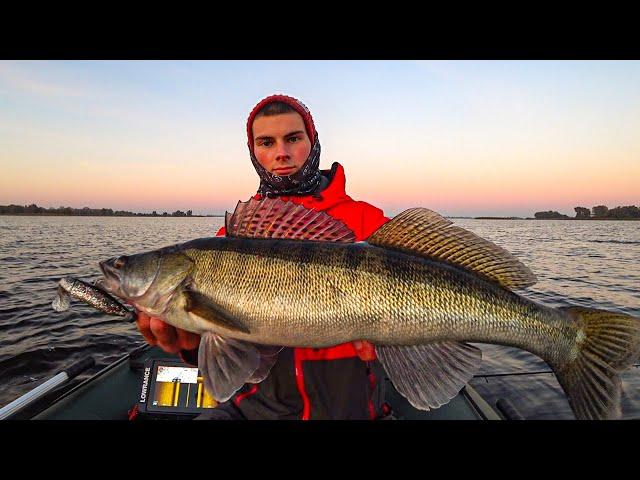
{"x":423,"y":232}
{"x":274,"y":218}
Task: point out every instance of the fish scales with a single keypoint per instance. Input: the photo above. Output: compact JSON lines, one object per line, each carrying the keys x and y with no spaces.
{"x":289,"y":292}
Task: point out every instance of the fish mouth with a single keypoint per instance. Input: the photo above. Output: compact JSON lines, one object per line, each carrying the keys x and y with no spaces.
{"x":100,"y":284}
{"x":111,"y":270}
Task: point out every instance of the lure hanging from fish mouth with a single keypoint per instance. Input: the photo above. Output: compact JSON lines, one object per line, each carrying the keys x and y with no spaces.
{"x":92,"y":295}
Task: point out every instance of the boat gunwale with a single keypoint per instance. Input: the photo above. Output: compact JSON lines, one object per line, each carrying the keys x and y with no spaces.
{"x":127,"y":356}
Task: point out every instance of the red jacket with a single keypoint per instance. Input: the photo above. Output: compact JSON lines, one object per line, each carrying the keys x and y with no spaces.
{"x":361,"y":217}
{"x":313,"y":368}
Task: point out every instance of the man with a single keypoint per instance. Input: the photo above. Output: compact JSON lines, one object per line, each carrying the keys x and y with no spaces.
{"x":341,"y":382}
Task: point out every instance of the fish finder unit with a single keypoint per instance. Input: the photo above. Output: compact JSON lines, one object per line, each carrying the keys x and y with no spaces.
{"x":172,"y":389}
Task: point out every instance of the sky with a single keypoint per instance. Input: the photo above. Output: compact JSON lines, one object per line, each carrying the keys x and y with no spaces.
{"x":463,"y":138}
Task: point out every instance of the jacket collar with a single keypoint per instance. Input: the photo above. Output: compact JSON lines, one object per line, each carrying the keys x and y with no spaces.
{"x":332,"y":195}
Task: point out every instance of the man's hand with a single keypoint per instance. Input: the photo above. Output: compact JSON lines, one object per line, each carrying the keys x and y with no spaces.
{"x":366,"y":351}
{"x":167,"y":337}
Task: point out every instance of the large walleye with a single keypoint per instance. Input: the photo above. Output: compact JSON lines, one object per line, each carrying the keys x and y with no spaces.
{"x":417,"y":289}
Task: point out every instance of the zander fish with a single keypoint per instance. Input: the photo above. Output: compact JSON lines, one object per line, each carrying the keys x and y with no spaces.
{"x":418,"y":289}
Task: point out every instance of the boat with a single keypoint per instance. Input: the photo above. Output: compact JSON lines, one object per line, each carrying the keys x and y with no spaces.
{"x":113,"y":393}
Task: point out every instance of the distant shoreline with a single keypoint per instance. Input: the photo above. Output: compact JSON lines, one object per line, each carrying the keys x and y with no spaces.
{"x":543,"y":219}
{"x":146,"y":215}
{"x":501,"y":218}
{"x":600,"y":212}
{"x":33,"y":209}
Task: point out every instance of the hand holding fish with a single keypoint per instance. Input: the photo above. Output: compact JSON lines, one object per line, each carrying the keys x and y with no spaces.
{"x":366,"y":351}
{"x":171,"y":339}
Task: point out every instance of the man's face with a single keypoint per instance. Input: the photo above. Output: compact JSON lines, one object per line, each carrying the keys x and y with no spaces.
{"x":281,"y":143}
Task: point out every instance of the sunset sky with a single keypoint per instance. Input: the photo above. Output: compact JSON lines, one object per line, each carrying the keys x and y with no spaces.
{"x":464,"y":138}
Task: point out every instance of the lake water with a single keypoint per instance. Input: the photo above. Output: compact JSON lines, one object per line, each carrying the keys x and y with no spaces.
{"x":587,"y":263}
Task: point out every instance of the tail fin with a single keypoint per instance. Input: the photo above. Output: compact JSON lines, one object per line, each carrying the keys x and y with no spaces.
{"x":609,"y":344}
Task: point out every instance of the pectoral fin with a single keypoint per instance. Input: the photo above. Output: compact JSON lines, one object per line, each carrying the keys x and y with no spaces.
{"x":226,"y":364}
{"x":429,"y":376}
{"x":268,"y":358}
{"x":202,"y":306}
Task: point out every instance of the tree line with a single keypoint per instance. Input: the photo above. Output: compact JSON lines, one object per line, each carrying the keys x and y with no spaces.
{"x":600,"y":212}
{"x":34,"y":209}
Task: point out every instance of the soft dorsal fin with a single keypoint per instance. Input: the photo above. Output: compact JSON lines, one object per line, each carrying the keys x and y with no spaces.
{"x":274,"y":218}
{"x":420,"y":231}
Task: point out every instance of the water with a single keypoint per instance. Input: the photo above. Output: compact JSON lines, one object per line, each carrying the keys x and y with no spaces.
{"x":588,"y":263}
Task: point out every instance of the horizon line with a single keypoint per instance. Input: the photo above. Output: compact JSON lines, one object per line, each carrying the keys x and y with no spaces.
{"x":216,"y":214}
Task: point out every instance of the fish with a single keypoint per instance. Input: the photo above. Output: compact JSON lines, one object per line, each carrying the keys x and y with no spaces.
{"x":93,"y":295}
{"x":420,"y":289}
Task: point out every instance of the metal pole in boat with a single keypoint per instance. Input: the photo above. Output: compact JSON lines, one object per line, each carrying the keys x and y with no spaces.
{"x":55,"y":381}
